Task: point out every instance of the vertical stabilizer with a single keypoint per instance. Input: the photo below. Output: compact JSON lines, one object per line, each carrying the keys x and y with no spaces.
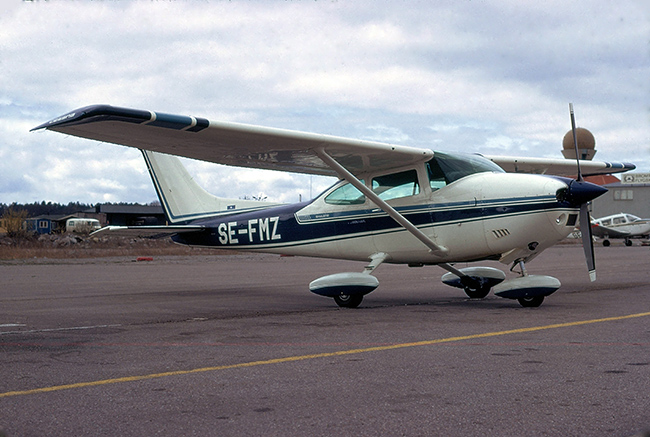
{"x":182,"y":199}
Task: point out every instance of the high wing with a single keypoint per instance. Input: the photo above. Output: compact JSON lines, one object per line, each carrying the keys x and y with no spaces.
{"x":557,"y":166}
{"x":269,"y":148}
{"x":231,"y":143}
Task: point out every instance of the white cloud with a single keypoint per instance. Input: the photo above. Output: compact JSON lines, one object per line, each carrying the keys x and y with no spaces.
{"x":470,"y":76}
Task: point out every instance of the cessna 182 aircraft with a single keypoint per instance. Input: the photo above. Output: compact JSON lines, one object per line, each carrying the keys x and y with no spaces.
{"x":621,"y":225}
{"x":393,"y":204}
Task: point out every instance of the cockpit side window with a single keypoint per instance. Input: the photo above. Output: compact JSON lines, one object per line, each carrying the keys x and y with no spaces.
{"x":445,"y":168}
{"x":346,"y":194}
{"x":396,"y":185}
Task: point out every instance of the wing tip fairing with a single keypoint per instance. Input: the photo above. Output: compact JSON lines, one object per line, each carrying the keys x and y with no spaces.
{"x":93,"y":112}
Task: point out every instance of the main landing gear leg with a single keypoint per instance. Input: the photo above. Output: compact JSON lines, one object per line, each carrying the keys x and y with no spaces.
{"x":348,"y":288}
{"x":527,"y":302}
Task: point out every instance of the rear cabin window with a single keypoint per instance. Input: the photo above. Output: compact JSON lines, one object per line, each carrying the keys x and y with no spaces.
{"x":396,"y":185}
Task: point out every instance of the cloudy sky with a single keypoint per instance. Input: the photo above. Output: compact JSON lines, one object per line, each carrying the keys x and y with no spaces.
{"x":457,"y":75}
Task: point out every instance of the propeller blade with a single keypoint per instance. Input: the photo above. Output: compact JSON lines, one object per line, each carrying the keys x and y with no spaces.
{"x":585,"y":220}
{"x":587,"y":240}
{"x":575,"y":140}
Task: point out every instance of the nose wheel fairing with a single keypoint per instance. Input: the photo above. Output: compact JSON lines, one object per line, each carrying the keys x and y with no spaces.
{"x":526,"y":287}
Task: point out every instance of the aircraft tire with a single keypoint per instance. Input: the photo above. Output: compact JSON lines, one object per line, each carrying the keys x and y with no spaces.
{"x":628,"y":242}
{"x":606,"y":243}
{"x":531,"y":302}
{"x":479,"y":293}
{"x":348,"y":300}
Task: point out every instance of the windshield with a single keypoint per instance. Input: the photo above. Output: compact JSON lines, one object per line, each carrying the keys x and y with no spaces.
{"x":445,"y":168}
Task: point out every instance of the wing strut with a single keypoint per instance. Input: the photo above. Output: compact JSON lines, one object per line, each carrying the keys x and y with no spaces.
{"x":435,"y":249}
{"x":392,"y":212}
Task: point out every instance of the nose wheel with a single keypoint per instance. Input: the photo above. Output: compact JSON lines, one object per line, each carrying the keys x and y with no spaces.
{"x":478,"y":292}
{"x":528,"y":290}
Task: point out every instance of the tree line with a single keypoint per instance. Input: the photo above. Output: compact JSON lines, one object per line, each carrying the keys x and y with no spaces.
{"x":51,"y":208}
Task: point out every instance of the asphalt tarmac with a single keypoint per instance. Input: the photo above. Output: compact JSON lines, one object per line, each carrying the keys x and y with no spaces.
{"x":237,"y":345}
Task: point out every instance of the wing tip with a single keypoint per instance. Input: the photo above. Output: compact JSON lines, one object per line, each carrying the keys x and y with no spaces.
{"x":102,"y":110}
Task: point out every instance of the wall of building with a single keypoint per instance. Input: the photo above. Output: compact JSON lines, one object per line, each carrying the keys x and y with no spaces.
{"x":632,"y":199}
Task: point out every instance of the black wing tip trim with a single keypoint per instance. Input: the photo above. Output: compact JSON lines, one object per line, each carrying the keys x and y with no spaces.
{"x":621,"y":166}
{"x":87,"y":113}
{"x":615,"y":167}
{"x":95,"y":113}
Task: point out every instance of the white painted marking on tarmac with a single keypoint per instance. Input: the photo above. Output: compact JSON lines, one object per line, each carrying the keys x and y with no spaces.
{"x":11,"y":325}
{"x":72,"y":328}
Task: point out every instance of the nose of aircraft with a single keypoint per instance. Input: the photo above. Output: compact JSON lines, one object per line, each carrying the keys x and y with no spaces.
{"x":579,"y":192}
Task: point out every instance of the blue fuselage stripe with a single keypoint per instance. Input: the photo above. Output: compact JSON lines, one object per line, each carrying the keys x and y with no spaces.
{"x":260,"y":229}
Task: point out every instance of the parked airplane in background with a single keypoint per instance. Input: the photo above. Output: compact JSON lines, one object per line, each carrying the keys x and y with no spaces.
{"x":621,"y":225}
{"x":392,"y":203}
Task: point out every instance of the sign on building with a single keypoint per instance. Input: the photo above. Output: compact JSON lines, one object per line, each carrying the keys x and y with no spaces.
{"x":635,"y":178}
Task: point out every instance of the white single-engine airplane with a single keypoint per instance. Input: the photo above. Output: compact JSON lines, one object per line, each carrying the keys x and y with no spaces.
{"x":621,"y":225}
{"x":392,"y":204}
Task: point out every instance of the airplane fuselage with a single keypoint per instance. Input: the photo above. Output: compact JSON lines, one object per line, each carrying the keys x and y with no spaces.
{"x":621,"y":226}
{"x":479,"y":216}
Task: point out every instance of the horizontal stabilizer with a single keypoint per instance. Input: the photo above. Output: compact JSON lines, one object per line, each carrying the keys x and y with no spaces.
{"x":145,"y":231}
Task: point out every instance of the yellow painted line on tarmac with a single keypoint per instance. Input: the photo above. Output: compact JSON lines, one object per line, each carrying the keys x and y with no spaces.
{"x":314,"y":356}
